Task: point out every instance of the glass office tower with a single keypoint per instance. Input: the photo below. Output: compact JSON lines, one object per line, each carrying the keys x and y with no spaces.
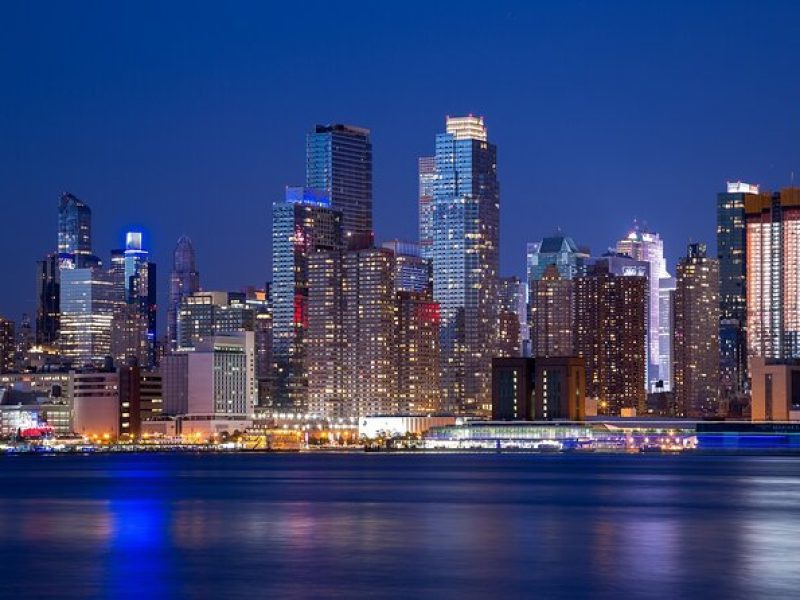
{"x":339,"y":163}
{"x":466,"y":235}
{"x":183,"y":281}
{"x":731,"y":247}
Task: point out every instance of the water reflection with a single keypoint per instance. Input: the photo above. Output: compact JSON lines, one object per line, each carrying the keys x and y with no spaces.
{"x":414,"y":526}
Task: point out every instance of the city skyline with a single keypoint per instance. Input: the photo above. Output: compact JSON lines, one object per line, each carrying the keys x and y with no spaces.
{"x":612,"y":162}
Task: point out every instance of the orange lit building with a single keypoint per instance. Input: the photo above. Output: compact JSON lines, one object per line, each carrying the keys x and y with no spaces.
{"x":773,"y":274}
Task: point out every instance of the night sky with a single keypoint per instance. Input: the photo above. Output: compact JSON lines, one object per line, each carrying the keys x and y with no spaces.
{"x":192,"y":119}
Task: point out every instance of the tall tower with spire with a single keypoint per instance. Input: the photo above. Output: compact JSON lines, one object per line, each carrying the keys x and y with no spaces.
{"x":184,"y":280}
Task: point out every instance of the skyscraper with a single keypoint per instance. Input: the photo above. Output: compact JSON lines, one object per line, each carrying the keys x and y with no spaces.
{"x":649,"y":247}
{"x":368,"y":331}
{"x":74,"y":226}
{"x":372,"y":343}
{"x":134,"y":284}
{"x":204,"y":314}
{"x":552,"y":314}
{"x":183,"y":281}
{"x":412,"y":272}
{"x":466,"y":236}
{"x":773,"y":270}
{"x":339,"y":163}
{"x":417,"y":355}
{"x":302,"y":224}
{"x":48,"y":313}
{"x":87,"y":311}
{"x":731,"y":243}
{"x":7,"y":345}
{"x":557,"y":250}
{"x":696,"y":348}
{"x":611,"y":335}
{"x":427,"y":181}
{"x":511,"y":327}
{"x":666,"y":295}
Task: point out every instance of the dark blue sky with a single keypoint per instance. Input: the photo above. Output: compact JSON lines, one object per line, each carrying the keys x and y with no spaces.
{"x":191,"y":119}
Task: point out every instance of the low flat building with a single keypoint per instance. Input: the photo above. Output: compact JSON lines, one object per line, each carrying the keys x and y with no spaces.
{"x":775,"y":389}
{"x":399,"y":425}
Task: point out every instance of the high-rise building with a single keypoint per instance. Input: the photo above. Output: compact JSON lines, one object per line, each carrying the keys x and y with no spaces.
{"x":649,"y":247}
{"x":731,"y":244}
{"x":87,"y":310}
{"x":325,"y":344}
{"x":48,"y":313}
{"x":611,"y":335}
{"x":557,"y":250}
{"x":302,"y":225}
{"x":427,"y":181}
{"x":666,"y":295}
{"x":696,"y":350}
{"x":368,"y":331}
{"x":260,"y":303}
{"x":772,"y":256}
{"x":372,"y":346}
{"x":183,"y":281}
{"x":417,"y":356}
{"x":133,"y":279}
{"x":552,"y":314}
{"x":205,"y":314}
{"x":512,"y":323}
{"x":221,"y":384}
{"x":412,"y":271}
{"x":74,"y":227}
{"x":7,"y":345}
{"x":339,"y":163}
{"x":465,"y":251}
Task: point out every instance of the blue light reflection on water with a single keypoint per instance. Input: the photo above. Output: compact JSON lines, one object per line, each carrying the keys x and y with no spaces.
{"x":295,"y":526}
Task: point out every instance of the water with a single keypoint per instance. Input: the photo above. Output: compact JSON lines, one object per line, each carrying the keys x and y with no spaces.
{"x":390,"y":525}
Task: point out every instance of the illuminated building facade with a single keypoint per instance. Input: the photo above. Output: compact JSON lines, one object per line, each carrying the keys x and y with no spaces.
{"x":511,"y":328}
{"x":7,"y":345}
{"x":466,"y":235}
{"x":696,"y":346}
{"x":731,"y":252}
{"x":552,"y":314}
{"x":302,"y":225}
{"x":611,"y":335}
{"x":412,"y":271}
{"x":87,"y":310}
{"x":134,"y":286}
{"x":205,"y":314}
{"x":427,"y":181}
{"x":184,"y":280}
{"x":417,"y":356}
{"x":222,"y":384}
{"x":368,"y":328}
{"x":140,"y":399}
{"x":557,"y":250}
{"x":773,"y":274}
{"x":373,"y":347}
{"x":649,"y":247}
{"x":75,"y":230}
{"x":339,"y":163}
{"x":325,"y":337}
